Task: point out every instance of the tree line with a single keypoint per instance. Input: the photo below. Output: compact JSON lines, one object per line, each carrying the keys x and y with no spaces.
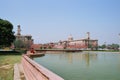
{"x":110,"y":46}
{"x":6,"y":34}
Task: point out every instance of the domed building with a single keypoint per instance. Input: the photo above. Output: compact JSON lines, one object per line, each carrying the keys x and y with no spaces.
{"x":85,"y":43}
{"x":70,"y":38}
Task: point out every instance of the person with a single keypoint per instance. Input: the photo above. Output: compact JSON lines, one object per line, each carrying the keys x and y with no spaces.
{"x":32,"y":51}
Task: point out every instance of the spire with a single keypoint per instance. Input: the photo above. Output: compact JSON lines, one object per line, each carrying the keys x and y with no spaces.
{"x":88,"y":35}
{"x":18,"y":30}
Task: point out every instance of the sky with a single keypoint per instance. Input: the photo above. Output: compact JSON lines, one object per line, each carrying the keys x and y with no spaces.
{"x":54,"y":20}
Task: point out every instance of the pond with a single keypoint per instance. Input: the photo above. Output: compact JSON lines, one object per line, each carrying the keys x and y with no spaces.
{"x":83,"y":65}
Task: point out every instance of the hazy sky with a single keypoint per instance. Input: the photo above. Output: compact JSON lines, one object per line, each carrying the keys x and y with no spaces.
{"x":54,"y":20}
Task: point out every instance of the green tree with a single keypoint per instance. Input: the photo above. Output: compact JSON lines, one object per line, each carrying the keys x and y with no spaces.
{"x":113,"y":46}
{"x":102,"y":46}
{"x":6,"y":34}
{"x":19,"y":44}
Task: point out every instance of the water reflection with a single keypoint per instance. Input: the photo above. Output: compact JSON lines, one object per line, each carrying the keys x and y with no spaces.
{"x":83,"y":65}
{"x":36,"y":56}
{"x":73,"y":57}
{"x":89,"y":57}
{"x":68,"y":57}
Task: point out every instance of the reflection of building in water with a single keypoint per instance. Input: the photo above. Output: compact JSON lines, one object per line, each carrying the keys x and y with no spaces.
{"x":67,"y":57}
{"x":82,"y":57}
{"x":88,"y":57}
{"x":26,"y":39}
{"x":70,"y":57}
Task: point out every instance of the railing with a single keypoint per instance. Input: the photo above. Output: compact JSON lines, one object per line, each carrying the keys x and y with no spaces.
{"x":34,"y":71}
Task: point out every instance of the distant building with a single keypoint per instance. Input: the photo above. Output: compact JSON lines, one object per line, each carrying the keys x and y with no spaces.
{"x":36,"y":46}
{"x":26,"y":39}
{"x":85,"y":43}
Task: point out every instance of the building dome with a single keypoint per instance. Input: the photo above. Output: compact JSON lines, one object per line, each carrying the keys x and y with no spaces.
{"x":70,"y":38}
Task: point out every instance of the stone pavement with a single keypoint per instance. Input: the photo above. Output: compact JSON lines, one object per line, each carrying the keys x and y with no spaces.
{"x":18,"y":72}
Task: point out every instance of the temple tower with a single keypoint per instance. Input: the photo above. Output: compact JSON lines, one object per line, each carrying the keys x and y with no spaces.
{"x":18,"y":30}
{"x":88,"y":35}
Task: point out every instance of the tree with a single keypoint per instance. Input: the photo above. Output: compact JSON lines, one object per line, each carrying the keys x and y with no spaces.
{"x":6,"y":34}
{"x":19,"y":44}
{"x":113,"y":46}
{"x":102,"y":46}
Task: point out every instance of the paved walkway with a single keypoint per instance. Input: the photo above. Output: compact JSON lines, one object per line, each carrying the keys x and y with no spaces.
{"x":18,"y":72}
{"x":30,"y":70}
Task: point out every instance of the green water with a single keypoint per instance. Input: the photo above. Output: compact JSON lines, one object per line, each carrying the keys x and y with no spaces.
{"x":83,"y":66}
